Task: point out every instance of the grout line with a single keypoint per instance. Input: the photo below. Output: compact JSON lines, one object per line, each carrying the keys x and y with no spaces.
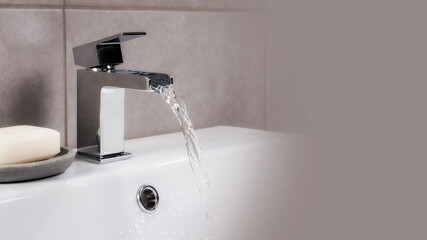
{"x":265,"y":68}
{"x":64,"y":36}
{"x":171,"y":9}
{"x":77,"y":7}
{"x":31,"y":6}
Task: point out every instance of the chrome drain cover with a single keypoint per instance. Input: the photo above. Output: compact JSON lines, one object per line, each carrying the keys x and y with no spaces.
{"x":147,"y":198}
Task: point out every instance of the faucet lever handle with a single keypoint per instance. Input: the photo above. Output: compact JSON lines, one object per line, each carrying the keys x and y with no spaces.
{"x":104,"y":52}
{"x":121,"y":37}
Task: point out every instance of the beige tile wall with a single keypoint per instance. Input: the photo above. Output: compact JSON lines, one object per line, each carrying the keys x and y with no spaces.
{"x":214,"y":50}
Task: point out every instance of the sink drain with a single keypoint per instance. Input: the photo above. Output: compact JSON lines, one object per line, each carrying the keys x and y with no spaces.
{"x":147,"y":198}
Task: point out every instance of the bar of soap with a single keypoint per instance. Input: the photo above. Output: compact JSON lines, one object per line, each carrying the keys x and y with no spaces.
{"x":23,"y":144}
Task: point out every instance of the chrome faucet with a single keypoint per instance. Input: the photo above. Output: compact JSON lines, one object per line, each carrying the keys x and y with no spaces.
{"x":100,"y":96}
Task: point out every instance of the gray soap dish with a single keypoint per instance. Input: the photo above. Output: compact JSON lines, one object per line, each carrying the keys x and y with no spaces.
{"x":36,"y":170}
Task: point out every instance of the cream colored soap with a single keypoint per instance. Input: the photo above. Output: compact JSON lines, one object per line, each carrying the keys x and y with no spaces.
{"x":22,"y":144}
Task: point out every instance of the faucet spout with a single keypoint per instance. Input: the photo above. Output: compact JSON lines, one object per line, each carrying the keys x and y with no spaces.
{"x":151,"y":80}
{"x":136,"y":80}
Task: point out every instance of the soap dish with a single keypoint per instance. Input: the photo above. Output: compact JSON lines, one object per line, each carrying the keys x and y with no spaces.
{"x":40,"y":169}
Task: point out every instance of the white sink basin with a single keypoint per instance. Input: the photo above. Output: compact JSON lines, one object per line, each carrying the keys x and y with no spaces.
{"x":90,"y":201}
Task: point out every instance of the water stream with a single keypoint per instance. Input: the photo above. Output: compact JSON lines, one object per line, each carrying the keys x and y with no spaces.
{"x":193,"y":147}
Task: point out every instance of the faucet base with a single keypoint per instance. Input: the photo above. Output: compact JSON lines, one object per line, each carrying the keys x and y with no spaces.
{"x":92,"y":154}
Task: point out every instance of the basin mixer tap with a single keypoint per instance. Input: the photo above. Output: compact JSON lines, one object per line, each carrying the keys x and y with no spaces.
{"x":100,"y":96}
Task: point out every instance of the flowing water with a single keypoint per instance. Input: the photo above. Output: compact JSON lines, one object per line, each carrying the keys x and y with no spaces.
{"x":193,"y":147}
